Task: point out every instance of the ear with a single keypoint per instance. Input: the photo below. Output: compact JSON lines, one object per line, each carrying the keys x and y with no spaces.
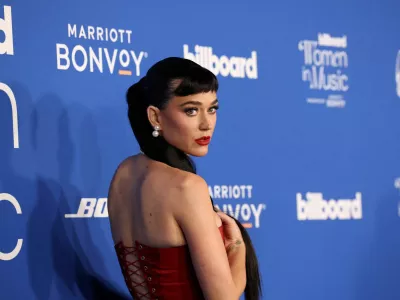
{"x":153,"y":114}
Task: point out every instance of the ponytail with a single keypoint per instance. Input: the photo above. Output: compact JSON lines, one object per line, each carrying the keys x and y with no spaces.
{"x":253,"y":284}
{"x":156,"y":89}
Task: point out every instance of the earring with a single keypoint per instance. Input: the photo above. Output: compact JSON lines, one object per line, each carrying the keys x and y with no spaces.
{"x":155,"y":132}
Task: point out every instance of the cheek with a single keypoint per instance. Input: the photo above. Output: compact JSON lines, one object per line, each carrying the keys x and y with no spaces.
{"x":213,"y":121}
{"x":180,"y":127}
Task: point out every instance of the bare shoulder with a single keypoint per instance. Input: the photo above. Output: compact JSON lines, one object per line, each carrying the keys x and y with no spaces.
{"x":189,"y":181}
{"x":125,"y":166}
{"x":190,"y":187}
{"x":122,"y":174}
{"x":191,"y":194}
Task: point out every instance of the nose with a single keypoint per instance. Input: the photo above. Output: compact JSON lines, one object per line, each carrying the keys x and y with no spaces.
{"x":205,"y":123}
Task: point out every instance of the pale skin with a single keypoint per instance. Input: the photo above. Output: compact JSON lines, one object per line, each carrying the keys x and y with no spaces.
{"x":161,"y":206}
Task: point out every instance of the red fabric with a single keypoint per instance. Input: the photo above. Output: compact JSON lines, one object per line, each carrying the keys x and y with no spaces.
{"x":159,"y":273}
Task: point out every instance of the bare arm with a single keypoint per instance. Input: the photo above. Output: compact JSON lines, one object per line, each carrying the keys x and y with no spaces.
{"x":219,"y":277}
{"x":234,"y":248}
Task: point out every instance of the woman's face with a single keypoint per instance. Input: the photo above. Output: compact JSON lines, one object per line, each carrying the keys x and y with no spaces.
{"x":188,"y":122}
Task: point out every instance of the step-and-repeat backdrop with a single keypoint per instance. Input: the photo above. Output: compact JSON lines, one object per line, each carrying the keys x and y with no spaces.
{"x":306,"y":151}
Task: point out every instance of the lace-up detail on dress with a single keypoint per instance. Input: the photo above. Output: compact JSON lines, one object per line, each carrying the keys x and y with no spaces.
{"x":159,"y":273}
{"x":137,"y":274}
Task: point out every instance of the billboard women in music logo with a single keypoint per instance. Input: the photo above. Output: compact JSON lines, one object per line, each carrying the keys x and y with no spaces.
{"x":324,"y":69}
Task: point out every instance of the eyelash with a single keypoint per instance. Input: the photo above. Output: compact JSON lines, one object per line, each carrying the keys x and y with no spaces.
{"x":187,"y":110}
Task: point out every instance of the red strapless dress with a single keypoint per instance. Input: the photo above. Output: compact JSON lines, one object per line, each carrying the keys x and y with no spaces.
{"x":159,"y":273}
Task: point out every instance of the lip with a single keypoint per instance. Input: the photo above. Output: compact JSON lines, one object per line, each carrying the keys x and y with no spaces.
{"x":203,"y":141}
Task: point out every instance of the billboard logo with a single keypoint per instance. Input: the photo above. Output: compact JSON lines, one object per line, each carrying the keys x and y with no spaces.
{"x":236,"y":67}
{"x":315,"y":207}
{"x":7,"y":46}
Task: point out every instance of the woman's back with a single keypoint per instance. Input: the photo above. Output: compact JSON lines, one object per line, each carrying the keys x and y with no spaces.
{"x":152,"y":251}
{"x":140,"y":203}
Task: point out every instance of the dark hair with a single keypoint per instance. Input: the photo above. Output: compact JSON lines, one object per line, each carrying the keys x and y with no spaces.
{"x":170,"y":77}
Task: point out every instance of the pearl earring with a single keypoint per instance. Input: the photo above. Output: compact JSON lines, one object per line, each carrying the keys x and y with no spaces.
{"x":155,"y":132}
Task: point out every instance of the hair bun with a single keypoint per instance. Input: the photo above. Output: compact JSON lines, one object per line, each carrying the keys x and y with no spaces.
{"x":136,"y":93}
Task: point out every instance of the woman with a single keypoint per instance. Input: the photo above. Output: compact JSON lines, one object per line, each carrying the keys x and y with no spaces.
{"x":171,"y":243}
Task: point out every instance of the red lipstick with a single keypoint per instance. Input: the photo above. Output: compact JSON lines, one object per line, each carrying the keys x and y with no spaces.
{"x":203,"y":141}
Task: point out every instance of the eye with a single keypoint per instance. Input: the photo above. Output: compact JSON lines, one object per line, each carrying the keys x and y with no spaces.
{"x":191,"y":111}
{"x":214,"y":109}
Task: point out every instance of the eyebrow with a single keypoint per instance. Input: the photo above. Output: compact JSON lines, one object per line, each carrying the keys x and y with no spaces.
{"x":198,"y":102}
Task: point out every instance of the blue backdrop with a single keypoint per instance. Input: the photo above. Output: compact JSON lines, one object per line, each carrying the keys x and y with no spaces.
{"x":306,"y":151}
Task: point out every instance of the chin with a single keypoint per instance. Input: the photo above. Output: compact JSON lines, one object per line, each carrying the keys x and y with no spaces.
{"x":198,"y":152}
